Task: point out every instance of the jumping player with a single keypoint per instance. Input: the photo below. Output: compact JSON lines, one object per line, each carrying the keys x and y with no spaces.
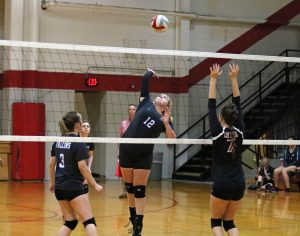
{"x":151,"y":119}
{"x":227,"y":173}
{"x":67,"y":170}
{"x":85,"y":132}
{"x":123,"y":127}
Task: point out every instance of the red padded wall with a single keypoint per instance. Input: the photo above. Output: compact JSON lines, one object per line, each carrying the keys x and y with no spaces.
{"x":28,"y":158}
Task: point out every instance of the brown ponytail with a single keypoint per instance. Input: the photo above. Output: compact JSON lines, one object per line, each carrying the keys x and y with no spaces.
{"x":67,"y":123}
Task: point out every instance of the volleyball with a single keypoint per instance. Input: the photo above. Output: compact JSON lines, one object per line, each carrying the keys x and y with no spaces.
{"x":160,"y":23}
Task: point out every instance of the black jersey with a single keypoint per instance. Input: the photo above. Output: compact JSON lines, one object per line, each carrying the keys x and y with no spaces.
{"x":147,"y":122}
{"x":292,"y":158}
{"x":269,"y":171}
{"x":67,"y":173}
{"x":226,"y":164}
{"x":90,"y":146}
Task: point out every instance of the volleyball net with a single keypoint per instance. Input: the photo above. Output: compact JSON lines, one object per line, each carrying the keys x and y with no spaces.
{"x":40,"y":82}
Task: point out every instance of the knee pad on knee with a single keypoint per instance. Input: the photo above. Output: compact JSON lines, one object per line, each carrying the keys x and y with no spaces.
{"x":215,"y":222}
{"x":71,"y":224}
{"x":89,"y":221}
{"x":139,"y":191}
{"x":228,"y":224}
{"x":129,"y":187}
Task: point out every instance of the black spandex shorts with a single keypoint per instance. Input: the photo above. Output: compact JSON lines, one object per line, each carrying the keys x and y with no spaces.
{"x":228,"y":190}
{"x":134,"y":159}
{"x":68,"y":194}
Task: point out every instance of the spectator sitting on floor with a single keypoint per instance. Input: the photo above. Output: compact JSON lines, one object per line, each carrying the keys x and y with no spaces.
{"x":265,"y":175}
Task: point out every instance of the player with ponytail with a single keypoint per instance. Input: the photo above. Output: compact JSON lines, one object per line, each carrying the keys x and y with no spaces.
{"x":227,"y":173}
{"x":151,"y":119}
{"x":67,"y":170}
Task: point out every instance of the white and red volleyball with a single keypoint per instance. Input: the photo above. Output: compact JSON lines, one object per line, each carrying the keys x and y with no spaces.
{"x":160,"y":23}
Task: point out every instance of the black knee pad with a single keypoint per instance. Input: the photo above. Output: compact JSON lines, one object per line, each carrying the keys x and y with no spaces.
{"x":89,"y":221}
{"x":228,"y":224}
{"x":129,"y":187}
{"x":139,"y":191}
{"x":71,"y":224}
{"x":215,"y":222}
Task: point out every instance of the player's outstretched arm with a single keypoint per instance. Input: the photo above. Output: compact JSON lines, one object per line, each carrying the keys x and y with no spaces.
{"x":146,"y":83}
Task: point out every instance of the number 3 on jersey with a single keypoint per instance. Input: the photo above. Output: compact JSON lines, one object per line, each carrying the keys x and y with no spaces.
{"x":149,"y":123}
{"x":61,"y":161}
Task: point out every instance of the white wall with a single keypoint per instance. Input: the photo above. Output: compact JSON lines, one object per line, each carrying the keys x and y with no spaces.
{"x":116,"y":23}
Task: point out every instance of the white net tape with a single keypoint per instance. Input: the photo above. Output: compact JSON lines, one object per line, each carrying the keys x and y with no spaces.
{"x":16,"y":138}
{"x":58,"y":46}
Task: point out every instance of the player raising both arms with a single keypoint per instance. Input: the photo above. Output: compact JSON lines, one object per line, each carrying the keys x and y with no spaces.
{"x":151,"y":119}
{"x":227,"y":173}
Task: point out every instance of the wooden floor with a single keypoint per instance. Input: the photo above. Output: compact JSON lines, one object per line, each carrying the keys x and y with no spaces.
{"x":173,"y":208}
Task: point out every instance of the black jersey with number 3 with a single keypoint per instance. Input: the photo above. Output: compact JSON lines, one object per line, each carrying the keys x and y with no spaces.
{"x":67,"y":173}
{"x":227,"y":155}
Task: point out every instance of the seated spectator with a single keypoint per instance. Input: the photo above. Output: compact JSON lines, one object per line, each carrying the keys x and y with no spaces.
{"x":264,"y":176}
{"x":291,"y":163}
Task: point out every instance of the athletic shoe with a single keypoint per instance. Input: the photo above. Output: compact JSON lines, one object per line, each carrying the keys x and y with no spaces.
{"x":123,"y":195}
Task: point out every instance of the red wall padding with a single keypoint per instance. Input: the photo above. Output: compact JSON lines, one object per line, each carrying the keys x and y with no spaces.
{"x":28,"y":158}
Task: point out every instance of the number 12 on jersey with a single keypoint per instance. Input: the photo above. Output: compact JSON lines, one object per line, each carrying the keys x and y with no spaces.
{"x":149,"y":123}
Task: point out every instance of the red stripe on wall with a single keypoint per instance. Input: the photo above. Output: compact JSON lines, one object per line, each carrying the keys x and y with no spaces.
{"x":248,"y":39}
{"x":75,"y":81}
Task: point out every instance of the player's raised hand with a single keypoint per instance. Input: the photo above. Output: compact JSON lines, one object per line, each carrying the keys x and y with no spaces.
{"x":215,"y":71}
{"x":154,"y":73}
{"x":233,"y":71}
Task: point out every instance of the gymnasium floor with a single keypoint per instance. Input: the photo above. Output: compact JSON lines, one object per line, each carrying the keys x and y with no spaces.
{"x":173,"y":208}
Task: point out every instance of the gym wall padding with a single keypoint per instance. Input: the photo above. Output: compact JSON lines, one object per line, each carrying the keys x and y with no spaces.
{"x":28,"y":158}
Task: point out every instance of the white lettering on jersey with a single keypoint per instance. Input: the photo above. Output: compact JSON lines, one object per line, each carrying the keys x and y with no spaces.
{"x":64,"y":145}
{"x":149,"y":123}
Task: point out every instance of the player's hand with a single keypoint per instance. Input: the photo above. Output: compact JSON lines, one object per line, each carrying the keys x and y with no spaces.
{"x":233,"y":71}
{"x":98,"y":188}
{"x":51,"y":187}
{"x":166,"y":115}
{"x":215,"y":71}
{"x":154,"y":73}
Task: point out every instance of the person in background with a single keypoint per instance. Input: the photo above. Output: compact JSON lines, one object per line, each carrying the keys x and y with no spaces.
{"x":85,"y":132}
{"x":67,"y":170}
{"x":291,"y":163}
{"x":265,"y":176}
{"x":227,"y":172}
{"x":124,"y":125}
{"x":151,"y":119}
